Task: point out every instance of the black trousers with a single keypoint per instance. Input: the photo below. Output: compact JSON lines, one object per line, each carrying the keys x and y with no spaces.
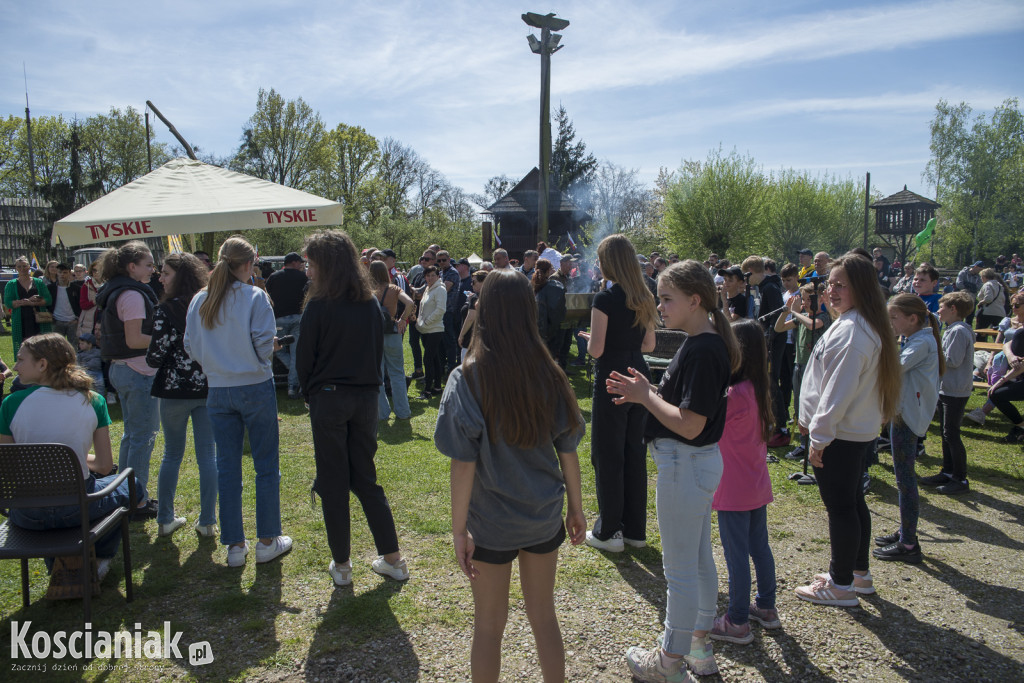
{"x":619,"y":457}
{"x":414,"y":344}
{"x":1004,"y":396}
{"x":433,"y":360}
{"x":849,"y":521}
{"x":344,"y":422}
{"x":779,"y":368}
{"x":954,"y":455}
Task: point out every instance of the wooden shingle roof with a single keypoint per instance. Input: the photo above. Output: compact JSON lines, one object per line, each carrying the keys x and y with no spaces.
{"x":903,"y":197}
{"x":522,"y":199}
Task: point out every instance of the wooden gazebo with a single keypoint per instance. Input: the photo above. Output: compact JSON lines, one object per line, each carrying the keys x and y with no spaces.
{"x":899,"y":217}
{"x":515,"y":218}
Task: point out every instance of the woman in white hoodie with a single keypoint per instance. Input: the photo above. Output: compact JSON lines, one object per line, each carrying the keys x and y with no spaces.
{"x":850,"y":387}
{"x":430,"y":323}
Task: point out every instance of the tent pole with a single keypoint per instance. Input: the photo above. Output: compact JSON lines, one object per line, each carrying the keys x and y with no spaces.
{"x":188,"y":148}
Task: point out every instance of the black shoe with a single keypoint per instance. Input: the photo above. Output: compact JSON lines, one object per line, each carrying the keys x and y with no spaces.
{"x":888,"y":539}
{"x":426,"y":395}
{"x":147,"y":511}
{"x":897,"y":552}
{"x":1016,"y":435}
{"x":795,"y":454}
{"x":937,"y":479}
{"x":954,"y":487}
{"x":416,"y":374}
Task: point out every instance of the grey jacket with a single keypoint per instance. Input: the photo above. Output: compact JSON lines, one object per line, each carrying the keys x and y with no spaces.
{"x":958,"y":347}
{"x":920,"y":393}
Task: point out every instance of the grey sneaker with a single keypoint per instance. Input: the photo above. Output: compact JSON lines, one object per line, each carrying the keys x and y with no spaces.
{"x":701,"y":660}
{"x":768,"y":618}
{"x":976,"y":415}
{"x":645,"y":665}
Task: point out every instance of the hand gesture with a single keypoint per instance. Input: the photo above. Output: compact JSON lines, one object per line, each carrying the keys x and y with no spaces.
{"x":464,"y":548}
{"x":815,"y":458}
{"x":631,"y":389}
{"x":576,"y":525}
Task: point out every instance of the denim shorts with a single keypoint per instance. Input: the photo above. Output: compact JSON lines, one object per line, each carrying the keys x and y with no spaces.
{"x":506,"y":556}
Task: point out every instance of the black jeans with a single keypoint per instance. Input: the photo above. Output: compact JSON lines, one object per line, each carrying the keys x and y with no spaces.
{"x":954,"y":455}
{"x":344,"y":422}
{"x":1005,"y":395}
{"x":414,"y":344}
{"x":433,"y":360}
{"x":619,"y":457}
{"x":451,"y":343}
{"x":849,"y":521}
{"x":780,"y":373}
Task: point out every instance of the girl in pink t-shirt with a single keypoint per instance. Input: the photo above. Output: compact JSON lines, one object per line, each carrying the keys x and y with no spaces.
{"x":744,"y":492}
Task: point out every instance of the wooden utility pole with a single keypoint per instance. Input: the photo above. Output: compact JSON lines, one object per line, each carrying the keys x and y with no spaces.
{"x":867,"y":201}
{"x":548,"y":44}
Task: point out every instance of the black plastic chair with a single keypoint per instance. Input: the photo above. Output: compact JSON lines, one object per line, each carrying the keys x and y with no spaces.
{"x":46,"y":475}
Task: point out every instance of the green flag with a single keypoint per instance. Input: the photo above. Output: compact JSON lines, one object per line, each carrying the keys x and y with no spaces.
{"x":922,"y":237}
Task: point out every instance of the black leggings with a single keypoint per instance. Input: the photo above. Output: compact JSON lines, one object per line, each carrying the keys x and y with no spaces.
{"x":433,"y":360}
{"x":1004,"y":396}
{"x":849,"y":521}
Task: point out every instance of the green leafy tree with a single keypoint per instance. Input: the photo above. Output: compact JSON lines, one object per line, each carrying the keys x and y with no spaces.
{"x":352,"y":159}
{"x":283,"y":141}
{"x":717,"y":206}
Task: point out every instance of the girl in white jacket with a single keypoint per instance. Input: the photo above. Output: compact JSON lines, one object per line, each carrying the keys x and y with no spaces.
{"x":850,"y":387}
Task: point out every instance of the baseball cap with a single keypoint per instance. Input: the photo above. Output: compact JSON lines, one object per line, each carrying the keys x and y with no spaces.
{"x":462,"y":262}
{"x":88,"y":337}
{"x":978,"y":264}
{"x":734,"y":271}
{"x":389,"y":253}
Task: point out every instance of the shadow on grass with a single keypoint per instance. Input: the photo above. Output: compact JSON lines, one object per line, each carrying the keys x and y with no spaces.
{"x":921,"y":645}
{"x":359,"y":638}
{"x":999,"y":602}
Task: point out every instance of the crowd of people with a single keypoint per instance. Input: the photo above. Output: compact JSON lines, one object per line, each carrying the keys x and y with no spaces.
{"x":864,"y":351}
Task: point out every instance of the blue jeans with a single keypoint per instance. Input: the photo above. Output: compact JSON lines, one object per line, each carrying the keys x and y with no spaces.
{"x":141,"y":415}
{"x":233,"y":410}
{"x":393,"y":364}
{"x":744,"y":537}
{"x":68,"y":516}
{"x":289,"y":324}
{"x":687,"y":479}
{"x":904,"y":455}
{"x":174,"y":414}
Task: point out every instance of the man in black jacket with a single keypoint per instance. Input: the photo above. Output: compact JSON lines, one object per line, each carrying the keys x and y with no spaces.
{"x":66,"y":306}
{"x":769,"y":286}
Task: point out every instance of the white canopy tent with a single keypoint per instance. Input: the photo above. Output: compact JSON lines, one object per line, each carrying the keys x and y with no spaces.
{"x":187,"y":196}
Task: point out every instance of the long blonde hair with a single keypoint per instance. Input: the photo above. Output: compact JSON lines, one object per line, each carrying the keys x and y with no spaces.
{"x":619,"y":264}
{"x":690,"y":277}
{"x":233,"y":254}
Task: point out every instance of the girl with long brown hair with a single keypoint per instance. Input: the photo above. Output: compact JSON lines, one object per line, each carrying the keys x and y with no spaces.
{"x":229,"y":331}
{"x":687,"y":419}
{"x":513,"y":463}
{"x":182,"y":389}
{"x":622,"y":324}
{"x":550,"y":294}
{"x":389,"y":295}
{"x":338,"y":361}
{"x":850,"y":387}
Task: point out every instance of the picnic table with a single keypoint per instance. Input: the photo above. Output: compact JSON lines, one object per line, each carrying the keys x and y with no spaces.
{"x":987,"y":346}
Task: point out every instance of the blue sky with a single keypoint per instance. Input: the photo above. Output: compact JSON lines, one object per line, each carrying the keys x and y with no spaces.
{"x":839,"y":87}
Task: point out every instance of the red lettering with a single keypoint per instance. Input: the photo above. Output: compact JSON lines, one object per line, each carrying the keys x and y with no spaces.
{"x":92,"y":229}
{"x":146,"y":228}
{"x":312,"y":215}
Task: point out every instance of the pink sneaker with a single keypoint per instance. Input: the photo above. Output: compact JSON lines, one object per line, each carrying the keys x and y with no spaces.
{"x":864,"y":585}
{"x":823,"y":592}
{"x":724,"y":629}
{"x":768,"y":618}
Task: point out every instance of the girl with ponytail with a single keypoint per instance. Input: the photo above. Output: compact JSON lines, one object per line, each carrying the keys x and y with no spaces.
{"x":229,"y":331}
{"x":922,"y":364}
{"x":58,"y":407}
{"x":687,"y":419}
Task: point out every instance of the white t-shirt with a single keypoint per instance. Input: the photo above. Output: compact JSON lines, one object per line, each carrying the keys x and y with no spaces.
{"x":43,"y":415}
{"x":62,"y":310}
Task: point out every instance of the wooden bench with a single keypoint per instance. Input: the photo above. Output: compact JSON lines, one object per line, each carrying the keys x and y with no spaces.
{"x":987,"y":346}
{"x":666,"y":343}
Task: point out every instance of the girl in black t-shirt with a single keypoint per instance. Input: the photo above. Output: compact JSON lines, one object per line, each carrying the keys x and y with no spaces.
{"x":621,"y":330}
{"x":688,"y":411}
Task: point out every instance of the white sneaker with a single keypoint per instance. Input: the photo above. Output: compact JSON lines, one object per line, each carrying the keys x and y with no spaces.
{"x":111,"y":398}
{"x":279,"y":546}
{"x":397,"y":571}
{"x":341,"y":573}
{"x":171,"y":527}
{"x":976,"y":415}
{"x":103,"y":568}
{"x":208,"y":530}
{"x":236,"y":555}
{"x":634,"y":542}
{"x":611,"y":545}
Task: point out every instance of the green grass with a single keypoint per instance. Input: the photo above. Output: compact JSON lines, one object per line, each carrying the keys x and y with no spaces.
{"x":272,"y":618}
